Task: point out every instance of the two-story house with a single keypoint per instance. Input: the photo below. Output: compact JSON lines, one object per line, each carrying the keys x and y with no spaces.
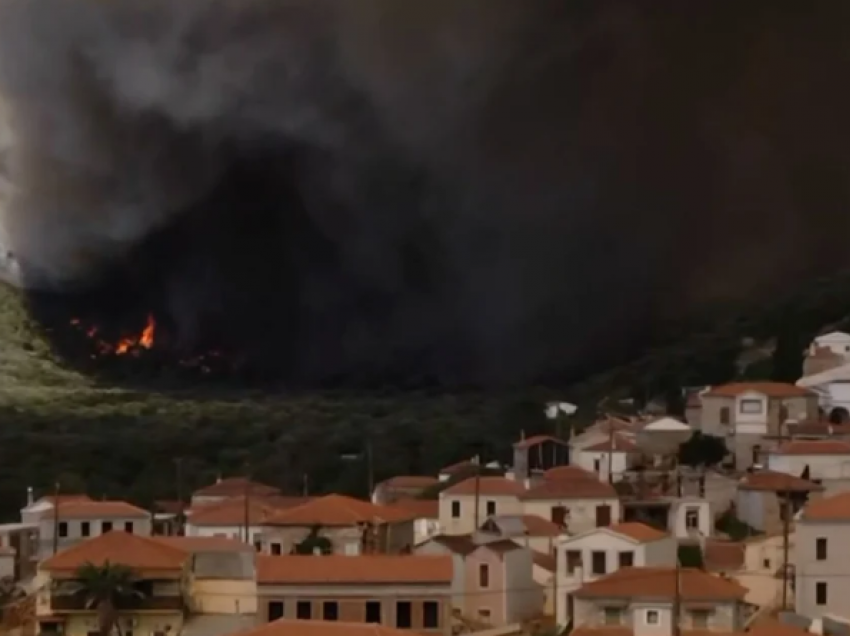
{"x":764,"y":498}
{"x":351,"y":526}
{"x":494,"y":496}
{"x":598,"y":552}
{"x":608,"y":458}
{"x":71,"y":522}
{"x":232,"y":518}
{"x":574,"y":504}
{"x":748,"y":414}
{"x":647,"y":601}
{"x":825,"y":461}
{"x":408,"y":592}
{"x":494,"y":580}
{"x":821,"y":558}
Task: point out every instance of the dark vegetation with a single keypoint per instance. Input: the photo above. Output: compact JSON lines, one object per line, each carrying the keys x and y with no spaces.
{"x":112,"y":439}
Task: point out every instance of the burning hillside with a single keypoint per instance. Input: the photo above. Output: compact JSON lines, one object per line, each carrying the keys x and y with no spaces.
{"x":465,"y":192}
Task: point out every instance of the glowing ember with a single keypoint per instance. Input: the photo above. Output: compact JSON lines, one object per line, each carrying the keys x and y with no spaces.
{"x":130,"y":344}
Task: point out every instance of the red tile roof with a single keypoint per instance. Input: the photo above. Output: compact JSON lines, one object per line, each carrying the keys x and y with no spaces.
{"x":134,"y":551}
{"x":537,"y":526}
{"x":235,"y":487}
{"x":534,"y":440}
{"x":627,"y":631}
{"x":230,"y":512}
{"x":204,"y":544}
{"x":661,"y":583}
{"x":566,"y":473}
{"x":82,"y":509}
{"x":772,"y":627}
{"x":618,"y":444}
{"x":770,"y":389}
{"x":571,"y":489}
{"x":723,"y":556}
{"x":639,"y":532}
{"x":835,"y":508}
{"x":365,"y":569}
{"x":409,"y":482}
{"x":338,"y":510}
{"x":459,"y":467}
{"x":772,"y":481}
{"x":813,"y":447}
{"x":421,"y":508}
{"x":545,"y":561}
{"x":487,"y":486}
{"x":287,"y":627}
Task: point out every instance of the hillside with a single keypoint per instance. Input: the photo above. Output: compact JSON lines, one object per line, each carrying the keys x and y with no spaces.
{"x":115,"y":441}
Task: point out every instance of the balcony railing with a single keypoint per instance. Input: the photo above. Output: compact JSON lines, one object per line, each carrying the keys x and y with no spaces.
{"x":74,"y":603}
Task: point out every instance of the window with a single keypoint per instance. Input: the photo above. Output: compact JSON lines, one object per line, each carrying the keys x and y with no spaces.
{"x":304,"y":610}
{"x":820,"y":549}
{"x":275,"y":610}
{"x":85,"y":529}
{"x":598,"y":563}
{"x":765,"y":564}
{"x":627,"y":559}
{"x":597,"y":465}
{"x":750,"y":407}
{"x":63,"y":528}
{"x":724,"y":416}
{"x":820,"y":593}
{"x":699,"y":619}
{"x":330,"y":610}
{"x":258,"y":545}
{"x":373,"y":612}
{"x":455,"y":510}
{"x":652,"y":617}
{"x":613,"y":616}
{"x":559,"y":515}
{"x":491,"y":508}
{"x":128,"y":527}
{"x":275,"y":549}
{"x":483,"y":575}
{"x":105,"y":526}
{"x":573,"y":560}
{"x":484,"y":614}
{"x":430,"y":615}
{"x":403,"y":615}
{"x":692,"y":518}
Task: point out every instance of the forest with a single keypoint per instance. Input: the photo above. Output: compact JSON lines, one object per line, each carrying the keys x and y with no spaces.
{"x":156,"y":438}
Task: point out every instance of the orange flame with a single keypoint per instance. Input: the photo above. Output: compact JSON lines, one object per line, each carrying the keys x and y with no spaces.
{"x":126,"y":345}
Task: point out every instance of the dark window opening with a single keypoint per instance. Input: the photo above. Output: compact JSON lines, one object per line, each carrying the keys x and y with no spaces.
{"x":455,"y":510}
{"x":598,"y":565}
{"x":373,"y":612}
{"x":403,"y":615}
{"x":330,"y":610}
{"x":105,"y":526}
{"x":63,"y":529}
{"x":128,"y":527}
{"x":304,"y":610}
{"x":820,"y":549}
{"x":276,"y":549}
{"x":820,"y":593}
{"x":491,"y":508}
{"x":85,"y":528}
{"x":430,"y":615}
{"x":275,"y":610}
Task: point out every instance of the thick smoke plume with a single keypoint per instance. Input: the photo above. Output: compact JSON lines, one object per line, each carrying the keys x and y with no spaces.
{"x":469,"y":191}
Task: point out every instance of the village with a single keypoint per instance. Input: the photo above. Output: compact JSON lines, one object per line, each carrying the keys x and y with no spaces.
{"x":603,"y":533}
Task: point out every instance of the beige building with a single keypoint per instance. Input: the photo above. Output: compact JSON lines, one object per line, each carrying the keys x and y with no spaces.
{"x":577,"y":505}
{"x":403,"y":592}
{"x":765,"y":497}
{"x":762,"y":570}
{"x":596,"y":553}
{"x":643,"y":600}
{"x":746,"y":413}
{"x":352,"y":526}
{"x":494,"y":495}
{"x":822,"y":559}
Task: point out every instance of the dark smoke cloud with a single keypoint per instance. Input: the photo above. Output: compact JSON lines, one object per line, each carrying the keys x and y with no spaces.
{"x":471,"y":191}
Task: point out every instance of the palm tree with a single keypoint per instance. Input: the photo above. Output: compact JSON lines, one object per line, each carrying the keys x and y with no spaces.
{"x":103,"y":587}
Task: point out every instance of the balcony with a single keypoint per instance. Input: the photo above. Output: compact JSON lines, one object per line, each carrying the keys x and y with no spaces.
{"x":74,"y":603}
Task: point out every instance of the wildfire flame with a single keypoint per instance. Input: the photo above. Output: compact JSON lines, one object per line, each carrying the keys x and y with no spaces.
{"x":130,"y":344}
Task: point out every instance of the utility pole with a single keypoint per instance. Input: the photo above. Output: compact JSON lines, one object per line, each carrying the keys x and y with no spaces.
{"x":677,"y":599}
{"x":55,"y":518}
{"x":178,"y":474}
{"x":305,"y":485}
{"x":610,"y":451}
{"x":786,"y":531}
{"x":477,"y":492}
{"x":370,"y":470}
{"x":247,"y":505}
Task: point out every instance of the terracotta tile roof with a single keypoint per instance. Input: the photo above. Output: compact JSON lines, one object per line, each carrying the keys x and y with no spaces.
{"x":567,"y":473}
{"x":639,"y":532}
{"x":661,"y":583}
{"x":835,"y":508}
{"x":283,"y":502}
{"x":617,"y":445}
{"x":288,"y":627}
{"x":409,"y":482}
{"x":723,"y":556}
{"x":458,"y":543}
{"x":500,"y":546}
{"x":571,"y":489}
{"x":340,"y":569}
{"x":338,"y":510}
{"x":204,"y":544}
{"x":169,"y":506}
{"x":627,"y":631}
{"x":235,"y":487}
{"x":459,"y":467}
{"x":545,"y":561}
{"x":534,"y":440}
{"x":82,"y":509}
{"x":770,"y":389}
{"x":772,"y":627}
{"x":230,"y":512}
{"x":132,"y":550}
{"x":537,"y":526}
{"x":813,"y":447}
{"x":421,"y":508}
{"x":773,"y":481}
{"x":487,"y":486}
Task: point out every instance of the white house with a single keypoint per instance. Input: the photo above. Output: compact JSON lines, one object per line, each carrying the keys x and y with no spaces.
{"x":837,"y":342}
{"x":612,"y":456}
{"x":832,"y":387}
{"x":596,"y":553}
{"x":825,"y":459}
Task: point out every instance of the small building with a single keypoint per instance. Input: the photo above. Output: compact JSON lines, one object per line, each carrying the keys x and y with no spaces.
{"x":610,"y":458}
{"x":401,"y":487}
{"x":574,"y":504}
{"x":765,"y":498}
{"x":823,"y":461}
{"x":531,"y":531}
{"x":493,"y":495}
{"x":404,"y":592}
{"x":229,"y":488}
{"x":236,"y":518}
{"x":537,"y":454}
{"x":426,"y":517}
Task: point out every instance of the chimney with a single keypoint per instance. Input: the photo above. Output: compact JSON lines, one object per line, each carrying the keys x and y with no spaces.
{"x":30,"y":498}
